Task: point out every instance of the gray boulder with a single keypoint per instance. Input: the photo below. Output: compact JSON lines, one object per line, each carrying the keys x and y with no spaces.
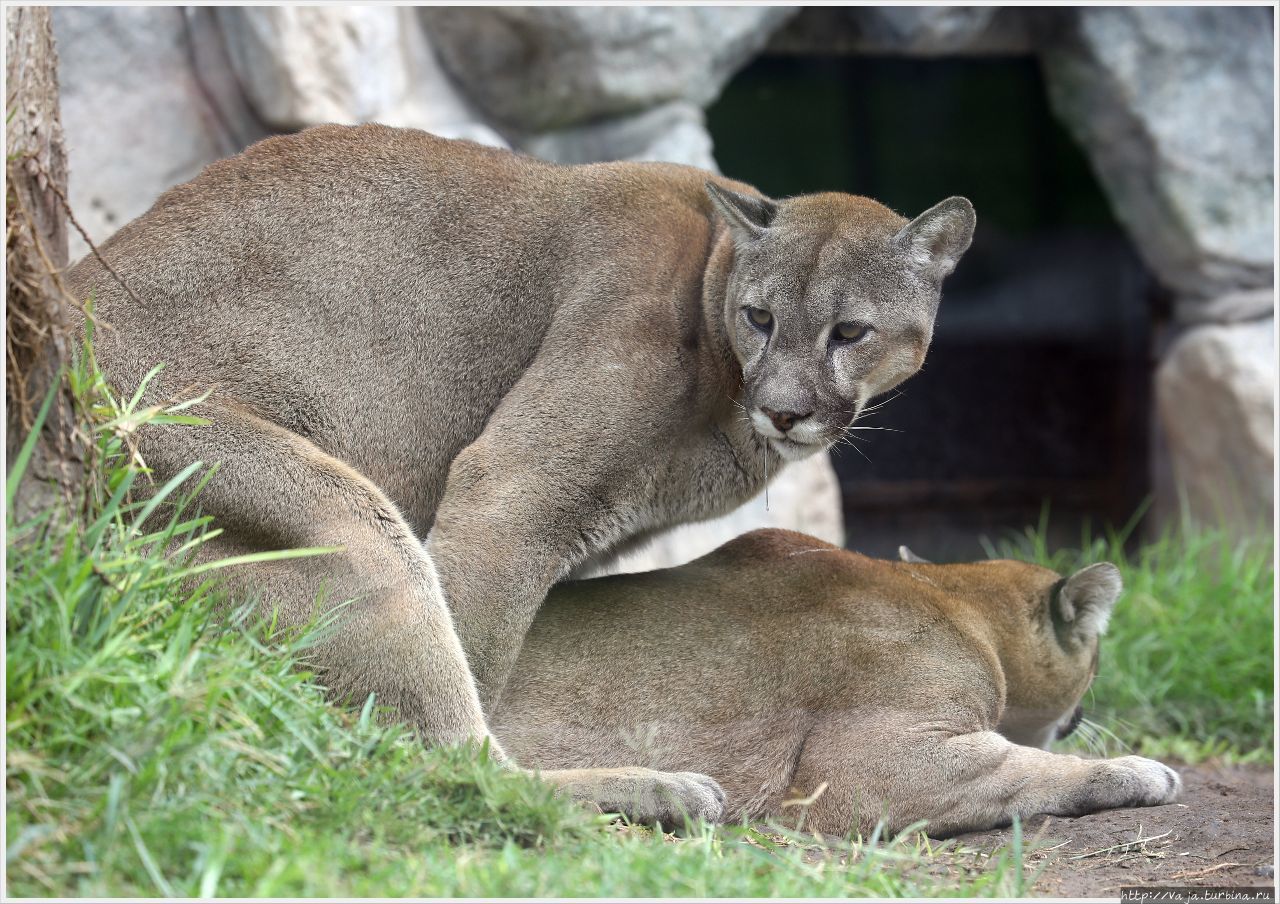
{"x":305,"y":65}
{"x":1233,"y":307}
{"x":1175,"y":107}
{"x":1216,"y":395}
{"x":534,"y":69}
{"x":937,"y":29}
{"x":146,"y":104}
{"x":907,"y":30}
{"x":674,"y":132}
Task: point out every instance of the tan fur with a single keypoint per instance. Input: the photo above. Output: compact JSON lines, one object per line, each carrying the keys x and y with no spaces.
{"x":787,"y":668}
{"x":476,"y":371}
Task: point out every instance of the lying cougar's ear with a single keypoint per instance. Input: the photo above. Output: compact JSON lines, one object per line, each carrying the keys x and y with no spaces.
{"x":934,"y":241}
{"x":906,"y":555}
{"x":748,"y":217}
{"x":1082,"y":606}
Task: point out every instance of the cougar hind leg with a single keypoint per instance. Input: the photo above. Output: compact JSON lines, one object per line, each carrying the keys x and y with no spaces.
{"x":394,"y":637}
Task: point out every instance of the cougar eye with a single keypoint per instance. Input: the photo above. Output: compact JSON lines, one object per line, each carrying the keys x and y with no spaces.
{"x":760,"y":318}
{"x":848,"y":331}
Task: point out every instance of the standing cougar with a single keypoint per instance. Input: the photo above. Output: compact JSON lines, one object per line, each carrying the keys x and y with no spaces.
{"x":790,"y":669}
{"x":524,"y":365}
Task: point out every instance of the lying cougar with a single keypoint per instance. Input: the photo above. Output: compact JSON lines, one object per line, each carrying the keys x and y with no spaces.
{"x":474,"y":371}
{"x":787,"y":669}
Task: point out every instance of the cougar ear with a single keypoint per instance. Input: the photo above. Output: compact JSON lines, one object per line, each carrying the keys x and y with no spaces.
{"x":747,"y":216}
{"x":1082,"y":606}
{"x":906,"y":555}
{"x":934,"y":241}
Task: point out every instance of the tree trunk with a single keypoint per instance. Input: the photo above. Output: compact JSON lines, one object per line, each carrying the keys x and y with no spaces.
{"x":37,"y":337}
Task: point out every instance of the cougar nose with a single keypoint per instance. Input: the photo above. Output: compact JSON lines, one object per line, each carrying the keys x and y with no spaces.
{"x":783,"y":420}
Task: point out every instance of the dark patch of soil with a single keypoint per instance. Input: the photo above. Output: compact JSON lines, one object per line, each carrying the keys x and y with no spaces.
{"x":1220,"y":833}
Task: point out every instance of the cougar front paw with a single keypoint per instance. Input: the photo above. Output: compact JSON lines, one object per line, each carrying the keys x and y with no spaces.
{"x":1151,"y":783}
{"x":645,"y":795}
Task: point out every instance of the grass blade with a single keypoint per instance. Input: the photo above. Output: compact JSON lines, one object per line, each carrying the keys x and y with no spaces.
{"x":19,"y":466}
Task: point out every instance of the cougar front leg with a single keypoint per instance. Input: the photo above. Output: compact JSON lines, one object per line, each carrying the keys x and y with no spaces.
{"x":981,"y":781}
{"x":970,"y":782}
{"x":509,"y":526}
{"x":499,"y":544}
{"x":276,"y":490}
{"x":527,"y":501}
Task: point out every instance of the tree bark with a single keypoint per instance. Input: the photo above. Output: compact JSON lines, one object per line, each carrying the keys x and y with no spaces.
{"x":37,"y":326}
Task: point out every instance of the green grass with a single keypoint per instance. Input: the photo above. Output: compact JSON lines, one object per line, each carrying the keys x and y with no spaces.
{"x":1186,"y":667}
{"x":155,"y":748}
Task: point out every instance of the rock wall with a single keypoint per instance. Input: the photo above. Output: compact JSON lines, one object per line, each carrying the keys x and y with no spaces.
{"x":1176,"y":108}
{"x":1173,"y":105}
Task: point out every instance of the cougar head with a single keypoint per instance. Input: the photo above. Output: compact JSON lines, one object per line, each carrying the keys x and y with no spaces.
{"x":830,"y":301}
{"x":1051,"y":630}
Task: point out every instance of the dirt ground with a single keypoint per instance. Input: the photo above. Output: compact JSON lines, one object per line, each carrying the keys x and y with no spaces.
{"x":1221,"y":833}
